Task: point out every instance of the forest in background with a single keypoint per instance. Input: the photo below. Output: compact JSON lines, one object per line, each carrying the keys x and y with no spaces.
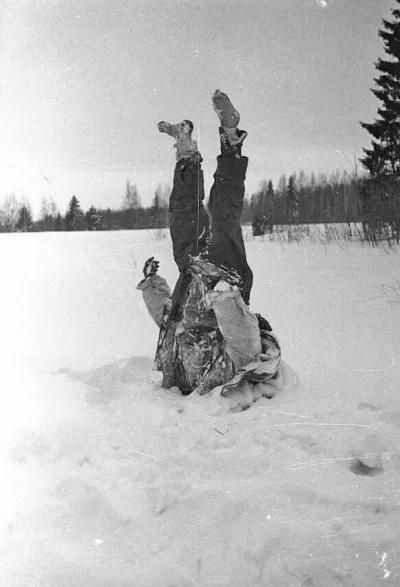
{"x":300,"y":198}
{"x":372,"y":200}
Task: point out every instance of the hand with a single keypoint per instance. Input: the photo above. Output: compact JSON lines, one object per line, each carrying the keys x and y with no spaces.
{"x":163,"y":126}
{"x":150,"y":267}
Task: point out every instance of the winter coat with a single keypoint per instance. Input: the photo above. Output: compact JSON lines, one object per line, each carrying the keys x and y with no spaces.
{"x":208,"y":337}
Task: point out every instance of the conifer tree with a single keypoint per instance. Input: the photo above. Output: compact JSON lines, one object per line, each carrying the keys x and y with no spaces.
{"x":292,"y":202}
{"x":259,"y":225}
{"x":155,"y":210}
{"x":384,"y":156}
{"x":262,"y":204}
{"x":270,"y":199}
{"x":74,"y":215}
{"x":24,"y":222}
{"x":258,"y":206}
{"x":58,"y":223}
{"x":94,"y":220}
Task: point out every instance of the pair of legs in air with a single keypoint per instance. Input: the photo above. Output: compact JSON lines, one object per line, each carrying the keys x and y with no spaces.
{"x":220,"y":238}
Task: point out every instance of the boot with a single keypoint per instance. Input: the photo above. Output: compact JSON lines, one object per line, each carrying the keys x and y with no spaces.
{"x":227,"y":114}
{"x":231,"y":141}
{"x":185,"y":146}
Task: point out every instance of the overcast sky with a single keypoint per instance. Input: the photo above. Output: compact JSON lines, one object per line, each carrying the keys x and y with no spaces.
{"x":84,"y":82}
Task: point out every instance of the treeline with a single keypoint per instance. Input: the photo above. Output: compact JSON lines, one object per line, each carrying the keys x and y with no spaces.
{"x":297,"y":199}
{"x":374,"y":202}
{"x":307,"y":199}
{"x":16,"y":215}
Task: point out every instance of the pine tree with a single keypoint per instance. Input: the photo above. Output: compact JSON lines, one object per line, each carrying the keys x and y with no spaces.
{"x":259,"y":224}
{"x":24,"y":222}
{"x":58,"y":223}
{"x":155,"y":211}
{"x":94,"y":220}
{"x":270,"y":200}
{"x":292,"y":202}
{"x":262,"y":204}
{"x":74,"y":215}
{"x":384,"y":156}
{"x":262,"y":196}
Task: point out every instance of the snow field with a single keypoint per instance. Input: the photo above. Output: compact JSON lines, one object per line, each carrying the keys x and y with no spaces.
{"x":111,"y":480}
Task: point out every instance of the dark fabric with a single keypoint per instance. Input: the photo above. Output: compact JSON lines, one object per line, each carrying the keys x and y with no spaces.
{"x":263,"y":323}
{"x":198,"y":360}
{"x":189,"y":222}
{"x":225,"y":207}
{"x":188,"y":219}
{"x":228,"y":149}
{"x":194,"y":354}
{"x":190,"y":349}
{"x":166,"y":348}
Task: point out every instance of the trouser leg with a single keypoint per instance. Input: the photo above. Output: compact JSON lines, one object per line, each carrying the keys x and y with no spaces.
{"x":225,"y":207}
{"x":189,"y":221}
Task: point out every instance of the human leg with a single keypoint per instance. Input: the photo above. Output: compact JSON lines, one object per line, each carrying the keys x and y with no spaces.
{"x":189,"y":221}
{"x":226,"y":196}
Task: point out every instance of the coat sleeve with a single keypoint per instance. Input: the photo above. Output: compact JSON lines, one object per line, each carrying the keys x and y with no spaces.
{"x":238,"y":326}
{"x":255,"y":352}
{"x":156,"y":295}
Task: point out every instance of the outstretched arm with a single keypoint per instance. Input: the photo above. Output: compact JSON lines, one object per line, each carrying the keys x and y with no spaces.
{"x":155,"y":290}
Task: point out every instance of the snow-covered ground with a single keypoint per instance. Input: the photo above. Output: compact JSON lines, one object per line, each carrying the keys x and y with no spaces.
{"x":107,"y":480}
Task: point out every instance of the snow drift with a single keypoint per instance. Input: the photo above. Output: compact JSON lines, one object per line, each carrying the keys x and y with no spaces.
{"x":108,"y":479}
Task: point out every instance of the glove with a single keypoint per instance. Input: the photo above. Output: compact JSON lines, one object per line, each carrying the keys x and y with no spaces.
{"x":150,"y":267}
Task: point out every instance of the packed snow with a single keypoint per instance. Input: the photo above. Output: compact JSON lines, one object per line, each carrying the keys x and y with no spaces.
{"x":108,"y":480}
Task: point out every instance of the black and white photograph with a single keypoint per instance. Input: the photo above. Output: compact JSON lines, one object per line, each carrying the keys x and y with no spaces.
{"x":200,"y":293}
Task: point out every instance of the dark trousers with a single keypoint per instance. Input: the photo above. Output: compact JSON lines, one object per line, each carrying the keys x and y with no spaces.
{"x":188,"y":220}
{"x":190,"y":224}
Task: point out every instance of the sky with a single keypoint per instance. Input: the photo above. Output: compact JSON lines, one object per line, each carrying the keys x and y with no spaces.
{"x":84,"y":83}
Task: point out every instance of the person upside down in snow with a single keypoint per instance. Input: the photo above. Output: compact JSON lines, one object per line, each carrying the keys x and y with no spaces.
{"x":208,"y":335}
